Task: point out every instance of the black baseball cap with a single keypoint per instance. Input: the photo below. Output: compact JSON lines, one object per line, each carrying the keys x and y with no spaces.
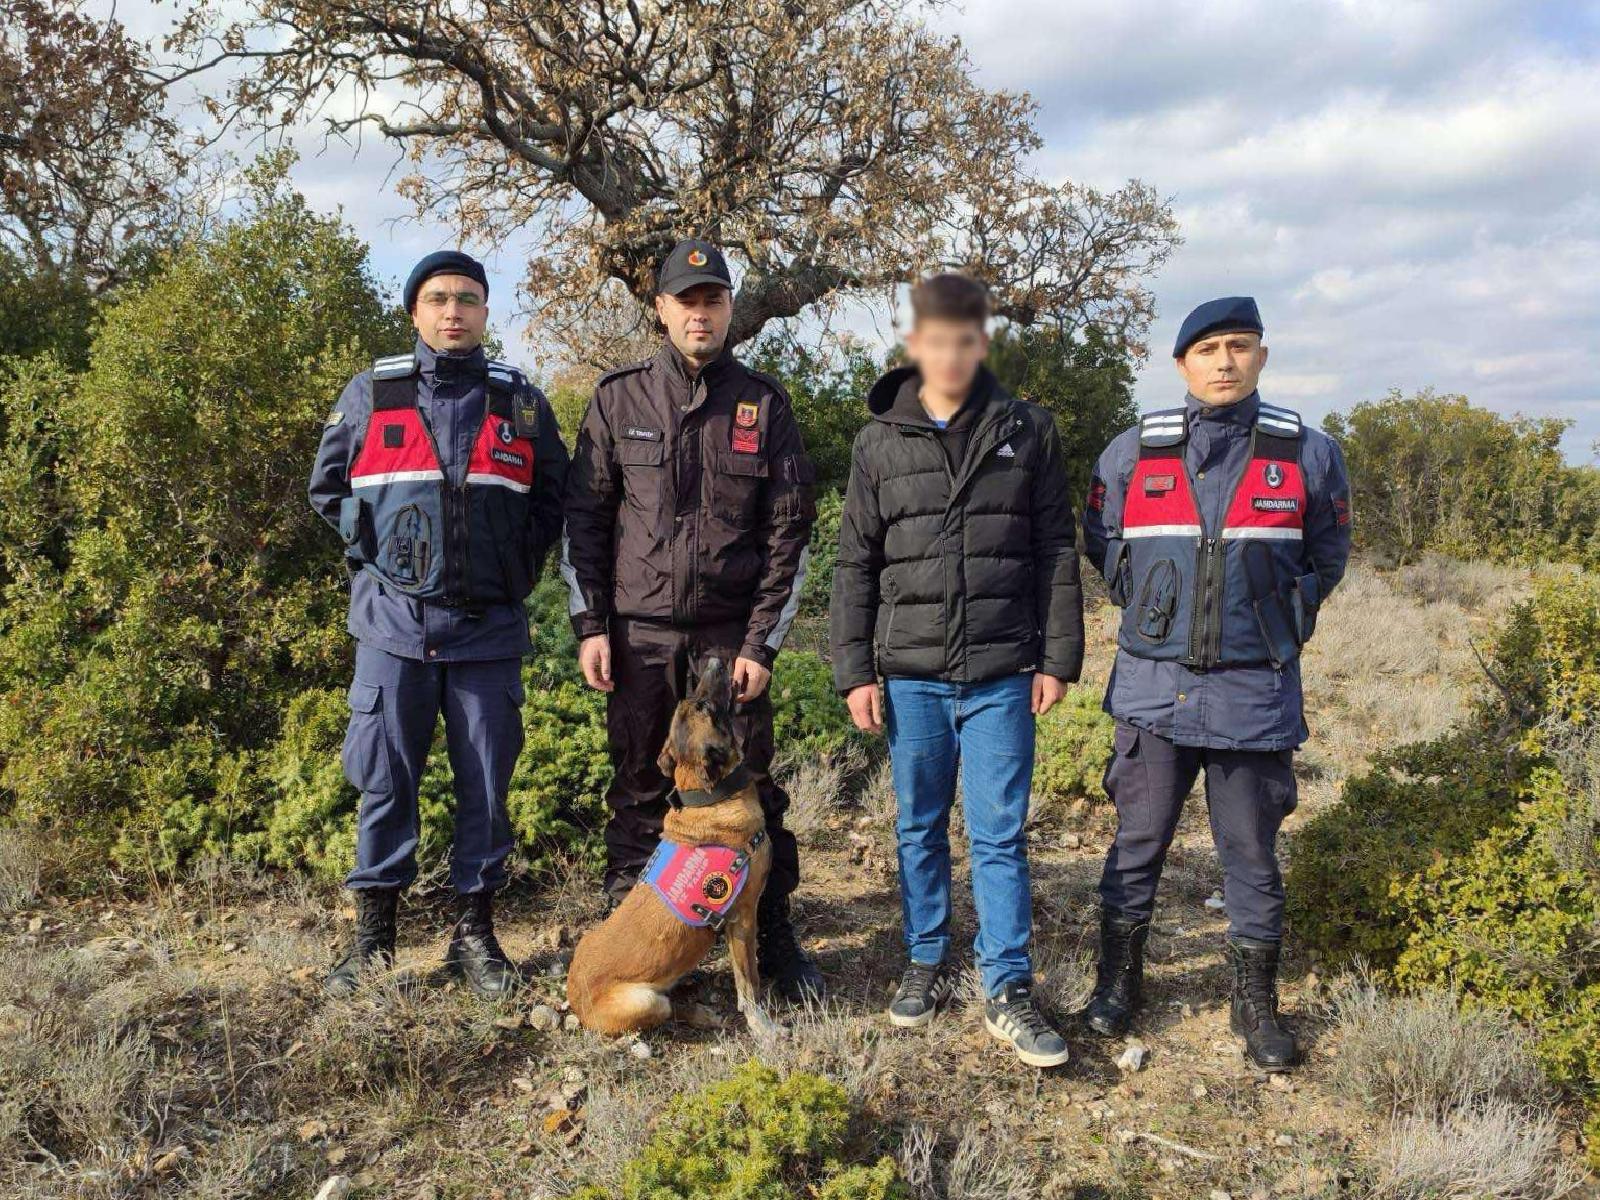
{"x":692,"y":261}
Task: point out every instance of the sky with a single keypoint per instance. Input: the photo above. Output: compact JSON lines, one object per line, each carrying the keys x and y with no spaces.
{"x":1410,"y":188}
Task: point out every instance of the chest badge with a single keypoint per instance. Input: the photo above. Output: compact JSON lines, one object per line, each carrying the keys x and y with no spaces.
{"x":746,"y":431}
{"x":1273,"y":475}
{"x":1158,"y":485}
{"x":507,"y":434}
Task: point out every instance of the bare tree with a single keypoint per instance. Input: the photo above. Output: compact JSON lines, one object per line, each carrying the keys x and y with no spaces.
{"x":88,"y":159}
{"x":832,"y":146}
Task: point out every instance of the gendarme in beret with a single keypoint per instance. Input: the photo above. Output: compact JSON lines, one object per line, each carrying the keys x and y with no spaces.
{"x":443,"y":262}
{"x":1229,"y":314}
{"x":692,"y":261}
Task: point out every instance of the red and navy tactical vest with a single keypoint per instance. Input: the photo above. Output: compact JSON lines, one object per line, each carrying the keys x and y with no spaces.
{"x":466,"y":544}
{"x":1241,"y":595}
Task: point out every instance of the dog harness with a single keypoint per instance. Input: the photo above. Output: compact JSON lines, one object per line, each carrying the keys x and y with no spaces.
{"x":699,"y":884}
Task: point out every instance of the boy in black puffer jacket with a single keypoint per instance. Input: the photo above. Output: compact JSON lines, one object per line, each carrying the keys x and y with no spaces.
{"x":957,"y":583}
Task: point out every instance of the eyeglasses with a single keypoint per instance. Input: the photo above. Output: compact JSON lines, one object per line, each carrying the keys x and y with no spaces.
{"x":441,"y":299}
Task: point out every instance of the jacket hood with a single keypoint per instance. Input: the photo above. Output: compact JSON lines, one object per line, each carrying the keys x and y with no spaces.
{"x":884,"y":397}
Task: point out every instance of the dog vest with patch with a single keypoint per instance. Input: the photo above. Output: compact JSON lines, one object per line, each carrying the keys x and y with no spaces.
{"x":699,"y":884}
{"x":1240,"y":595}
{"x":405,"y":522}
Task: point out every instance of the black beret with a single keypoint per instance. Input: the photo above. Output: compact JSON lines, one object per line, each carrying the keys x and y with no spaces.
{"x":692,"y":261}
{"x":1229,"y":314}
{"x":443,"y":262}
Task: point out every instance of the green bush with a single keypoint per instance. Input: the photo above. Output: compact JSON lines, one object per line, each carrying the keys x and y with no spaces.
{"x":1472,"y":863}
{"x":1074,"y":746}
{"x":1417,"y":802}
{"x":756,"y":1136}
{"x":1433,"y":473}
{"x":1508,"y":924}
{"x":808,"y":717}
{"x":173,"y":661}
{"x":818,"y":589}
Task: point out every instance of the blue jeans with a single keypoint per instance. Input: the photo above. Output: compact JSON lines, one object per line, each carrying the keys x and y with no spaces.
{"x":985,"y":729}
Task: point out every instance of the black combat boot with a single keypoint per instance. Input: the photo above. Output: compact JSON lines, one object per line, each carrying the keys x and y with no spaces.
{"x":1267,"y":1043}
{"x":373,"y":944}
{"x":779,"y":957}
{"x":474,"y":953}
{"x":1119,"y":979}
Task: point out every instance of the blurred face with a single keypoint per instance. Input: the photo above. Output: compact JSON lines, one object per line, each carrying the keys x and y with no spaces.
{"x":697,"y":320}
{"x":452,"y":312}
{"x":1223,"y":368}
{"x":948,"y":353}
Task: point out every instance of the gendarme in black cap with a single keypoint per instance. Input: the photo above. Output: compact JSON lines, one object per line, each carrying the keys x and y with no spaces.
{"x":692,"y":261}
{"x":443,"y":262}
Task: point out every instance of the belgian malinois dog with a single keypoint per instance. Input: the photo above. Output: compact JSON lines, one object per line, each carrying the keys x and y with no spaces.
{"x":706,"y":878}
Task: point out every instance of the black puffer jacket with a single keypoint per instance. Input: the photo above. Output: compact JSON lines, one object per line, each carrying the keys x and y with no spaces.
{"x":962,"y":575}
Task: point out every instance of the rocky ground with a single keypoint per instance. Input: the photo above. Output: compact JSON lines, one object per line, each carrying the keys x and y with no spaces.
{"x":179,"y":1045}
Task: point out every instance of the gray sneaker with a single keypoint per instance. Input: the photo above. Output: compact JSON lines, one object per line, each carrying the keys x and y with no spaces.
{"x":1013,"y":1017}
{"x":922,"y":989}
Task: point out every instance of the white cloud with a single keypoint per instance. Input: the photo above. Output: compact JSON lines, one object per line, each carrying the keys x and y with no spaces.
{"x":1410,"y":190}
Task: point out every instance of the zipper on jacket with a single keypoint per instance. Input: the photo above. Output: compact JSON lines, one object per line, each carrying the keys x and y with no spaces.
{"x":453,"y":506}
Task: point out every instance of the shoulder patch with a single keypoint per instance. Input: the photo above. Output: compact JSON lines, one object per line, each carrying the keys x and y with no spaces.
{"x":772,"y":381}
{"x":507,"y":376}
{"x":395,"y":366}
{"x":1280,"y":422}
{"x":1166,"y":428}
{"x":618,"y":372}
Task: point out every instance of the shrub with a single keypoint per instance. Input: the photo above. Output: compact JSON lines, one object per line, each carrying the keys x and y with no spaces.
{"x":818,"y":588}
{"x":1513,"y":928}
{"x":1497,"y":1152}
{"x":1433,"y":473}
{"x":152,"y":654}
{"x":808,"y":716}
{"x":756,"y":1136}
{"x":1074,"y":745}
{"x":1417,"y":802}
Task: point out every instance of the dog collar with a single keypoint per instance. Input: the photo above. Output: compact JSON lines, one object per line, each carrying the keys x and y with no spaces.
{"x":735,"y":781}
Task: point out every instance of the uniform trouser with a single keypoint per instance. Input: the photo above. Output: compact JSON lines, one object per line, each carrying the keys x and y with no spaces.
{"x":1248,"y":794}
{"x":394,"y":708}
{"x":653,"y":667}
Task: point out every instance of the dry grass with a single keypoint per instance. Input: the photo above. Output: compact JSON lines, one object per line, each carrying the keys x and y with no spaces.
{"x":1499,"y":1151}
{"x":1423,"y":1056}
{"x":817,"y":790}
{"x":980,"y":1165}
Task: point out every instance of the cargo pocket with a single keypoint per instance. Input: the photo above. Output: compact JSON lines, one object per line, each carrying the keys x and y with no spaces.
{"x":736,"y":487}
{"x":366,"y":742}
{"x":1124,"y":778}
{"x":355,"y":528}
{"x":1119,"y":581}
{"x":1158,"y":602}
{"x":1285,"y":620}
{"x":1306,"y":600}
